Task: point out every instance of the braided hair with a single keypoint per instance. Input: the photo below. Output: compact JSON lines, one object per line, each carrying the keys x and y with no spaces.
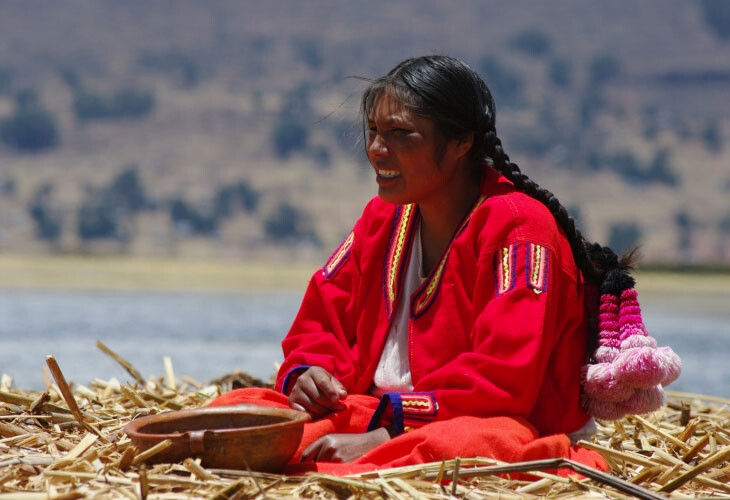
{"x":456,"y":98}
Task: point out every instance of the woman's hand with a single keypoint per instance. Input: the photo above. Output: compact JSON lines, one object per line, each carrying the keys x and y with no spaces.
{"x":317,"y":392}
{"x":344,"y":448}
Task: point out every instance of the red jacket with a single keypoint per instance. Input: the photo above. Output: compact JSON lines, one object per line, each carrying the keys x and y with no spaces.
{"x":497,"y":328}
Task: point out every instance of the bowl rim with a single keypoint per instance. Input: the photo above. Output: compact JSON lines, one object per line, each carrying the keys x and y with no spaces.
{"x":132,"y":429}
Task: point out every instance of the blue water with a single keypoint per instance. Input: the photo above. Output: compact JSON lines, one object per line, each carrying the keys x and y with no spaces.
{"x":208,"y":335}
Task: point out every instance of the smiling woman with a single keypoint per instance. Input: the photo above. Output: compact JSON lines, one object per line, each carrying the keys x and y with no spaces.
{"x":456,"y":317}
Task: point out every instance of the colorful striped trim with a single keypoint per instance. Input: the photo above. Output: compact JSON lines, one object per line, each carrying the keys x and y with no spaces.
{"x":396,"y":257}
{"x":339,"y":256}
{"x":419,"y":404}
{"x":427,"y":292}
{"x":537,"y":267}
{"x":505,"y":268}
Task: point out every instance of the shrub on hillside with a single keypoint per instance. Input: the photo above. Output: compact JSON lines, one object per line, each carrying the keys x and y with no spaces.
{"x":603,"y":68}
{"x":289,"y":136}
{"x":8,"y":187}
{"x":560,"y":72}
{"x":46,"y":218}
{"x":321,"y":157}
{"x":711,"y":136}
{"x":724,"y":225}
{"x":6,"y":77}
{"x":125,"y":103}
{"x":31,"y":128}
{"x":188,"y":219}
{"x":660,"y":169}
{"x":240,"y":195}
{"x":589,"y":107}
{"x":717,"y":16}
{"x":624,"y":236}
{"x":685,"y":225}
{"x":505,"y":83}
{"x":99,"y":220}
{"x":309,"y":51}
{"x":127,"y":191}
{"x":289,"y":225}
{"x":179,"y":66}
{"x":531,"y":42}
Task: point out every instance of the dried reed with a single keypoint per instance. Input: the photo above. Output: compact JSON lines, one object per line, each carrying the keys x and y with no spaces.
{"x":67,"y":443}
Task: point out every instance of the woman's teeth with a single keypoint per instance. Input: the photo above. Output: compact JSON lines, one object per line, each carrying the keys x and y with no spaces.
{"x":388,"y":174}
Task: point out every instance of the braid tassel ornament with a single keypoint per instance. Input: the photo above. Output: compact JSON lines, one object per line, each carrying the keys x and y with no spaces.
{"x":629,"y":371}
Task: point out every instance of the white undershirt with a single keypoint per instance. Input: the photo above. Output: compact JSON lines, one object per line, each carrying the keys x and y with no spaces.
{"x":394,"y":372}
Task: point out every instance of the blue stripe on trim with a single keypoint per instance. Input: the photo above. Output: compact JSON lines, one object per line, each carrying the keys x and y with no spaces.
{"x":393,"y":399}
{"x":296,"y":371}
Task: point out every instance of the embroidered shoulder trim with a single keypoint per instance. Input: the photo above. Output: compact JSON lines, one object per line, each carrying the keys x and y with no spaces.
{"x":427,"y":292}
{"x":505,"y":268}
{"x":396,"y":257}
{"x":339,"y":256}
{"x":537,"y":267}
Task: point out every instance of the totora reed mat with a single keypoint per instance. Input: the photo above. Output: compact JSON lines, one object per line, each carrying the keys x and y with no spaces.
{"x":67,"y":443}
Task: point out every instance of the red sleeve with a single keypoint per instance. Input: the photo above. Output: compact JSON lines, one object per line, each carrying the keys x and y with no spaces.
{"x":323,"y":332}
{"x":515,"y":332}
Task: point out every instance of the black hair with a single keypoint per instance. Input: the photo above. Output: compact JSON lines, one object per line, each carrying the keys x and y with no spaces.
{"x":455,"y":97}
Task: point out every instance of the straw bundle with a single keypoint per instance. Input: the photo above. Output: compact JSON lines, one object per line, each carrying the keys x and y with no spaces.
{"x":67,"y":443}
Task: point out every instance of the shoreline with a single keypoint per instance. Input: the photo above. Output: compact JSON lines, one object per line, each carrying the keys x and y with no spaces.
{"x":121,"y":273}
{"x":149,"y":274}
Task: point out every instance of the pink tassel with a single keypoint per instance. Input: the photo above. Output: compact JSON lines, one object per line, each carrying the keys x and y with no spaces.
{"x":630,"y":321}
{"x":641,"y":367}
{"x":600,"y":382}
{"x":630,"y":369}
{"x":605,"y":354}
{"x":672,"y":365}
{"x":604,"y":410}
{"x":645,"y":400}
{"x":638,"y":341}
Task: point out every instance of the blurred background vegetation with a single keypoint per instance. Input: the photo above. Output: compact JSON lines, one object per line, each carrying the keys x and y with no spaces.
{"x":229,"y":130}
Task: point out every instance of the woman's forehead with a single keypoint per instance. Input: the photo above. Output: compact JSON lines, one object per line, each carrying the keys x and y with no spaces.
{"x":386,"y":107}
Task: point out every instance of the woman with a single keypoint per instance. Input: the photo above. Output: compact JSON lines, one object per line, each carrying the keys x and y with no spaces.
{"x":451,"y":320}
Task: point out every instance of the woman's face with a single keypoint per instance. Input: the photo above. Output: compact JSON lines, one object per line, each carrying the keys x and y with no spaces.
{"x":403,"y":148}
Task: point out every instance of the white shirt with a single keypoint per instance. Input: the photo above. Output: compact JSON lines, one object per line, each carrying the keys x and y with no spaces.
{"x":394,"y":371}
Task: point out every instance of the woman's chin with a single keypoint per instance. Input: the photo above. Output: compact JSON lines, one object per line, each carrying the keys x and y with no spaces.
{"x":390,"y":196}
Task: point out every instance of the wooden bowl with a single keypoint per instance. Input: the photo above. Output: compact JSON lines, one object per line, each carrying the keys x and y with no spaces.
{"x":231,"y":437}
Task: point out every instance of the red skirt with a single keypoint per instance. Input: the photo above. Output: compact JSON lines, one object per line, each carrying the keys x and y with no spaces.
{"x":508,"y":439}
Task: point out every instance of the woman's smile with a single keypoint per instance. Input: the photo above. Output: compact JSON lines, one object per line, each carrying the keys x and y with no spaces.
{"x":387,"y":174}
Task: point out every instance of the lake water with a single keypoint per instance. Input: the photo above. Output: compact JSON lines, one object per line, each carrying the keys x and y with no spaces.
{"x":208,"y":335}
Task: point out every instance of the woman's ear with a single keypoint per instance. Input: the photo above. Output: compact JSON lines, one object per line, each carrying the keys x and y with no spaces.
{"x":464,"y":144}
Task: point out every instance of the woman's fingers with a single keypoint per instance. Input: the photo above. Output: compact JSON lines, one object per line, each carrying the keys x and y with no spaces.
{"x":320,"y":388}
{"x":310,"y":453}
{"x":310,"y":406}
{"x":316,"y":391}
{"x":296,"y":406}
{"x":329,"y":390}
{"x":340,"y":390}
{"x":322,"y":450}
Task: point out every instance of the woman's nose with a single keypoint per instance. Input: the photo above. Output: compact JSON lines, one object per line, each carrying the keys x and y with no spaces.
{"x":377,"y":148}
